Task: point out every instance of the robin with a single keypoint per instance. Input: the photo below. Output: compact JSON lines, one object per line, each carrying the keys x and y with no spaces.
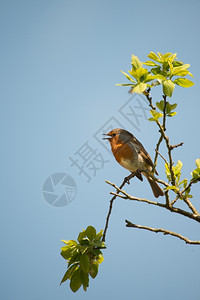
{"x":131,"y":155}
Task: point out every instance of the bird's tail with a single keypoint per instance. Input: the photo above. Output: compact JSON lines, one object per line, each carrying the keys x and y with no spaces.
{"x":157,"y":191}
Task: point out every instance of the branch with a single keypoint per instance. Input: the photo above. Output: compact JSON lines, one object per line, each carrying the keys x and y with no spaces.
{"x":163,"y":135}
{"x":149,"y":98}
{"x":164,"y":231}
{"x":166,"y":138}
{"x":126,"y":180}
{"x":167,"y":206}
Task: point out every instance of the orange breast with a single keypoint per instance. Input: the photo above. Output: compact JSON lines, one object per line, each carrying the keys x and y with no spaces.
{"x":122,"y":151}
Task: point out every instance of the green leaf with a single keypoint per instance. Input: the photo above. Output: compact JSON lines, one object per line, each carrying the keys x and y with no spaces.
{"x":158,"y":71}
{"x":74,"y":258}
{"x":170,"y":107}
{"x":196,"y":173}
{"x":99,"y":244}
{"x":85,"y":242}
{"x":141,"y":74}
{"x":96,"y":252}
{"x":167,"y":171}
{"x":124,"y":84}
{"x":160,"y":105}
{"x":177,"y":168}
{"x":181,"y":70}
{"x":168,"y":87}
{"x":100,"y":259}
{"x":182,"y":73}
{"x":184,"y":182}
{"x":66,"y":254}
{"x":94,"y":270}
{"x":157,"y":76}
{"x":81,"y":236}
{"x":69,"y":242}
{"x":128,"y":77}
{"x":168,"y":110}
{"x":139,"y":88}
{"x":84,"y":277}
{"x":172,"y":114}
{"x":135,"y":62}
{"x":197,"y":162}
{"x":172,"y":187}
{"x":90,"y":232}
{"x":156,"y":115}
{"x":150,"y":63}
{"x":171,"y":67}
{"x":85,"y":263}
{"x":159,"y":55}
{"x":177,"y":63}
{"x":173,"y":57}
{"x":153,"y":56}
{"x":99,"y":235}
{"x":184,"y":82}
{"x":69,"y":272}
{"x":166,"y":55}
{"x":75,"y":282}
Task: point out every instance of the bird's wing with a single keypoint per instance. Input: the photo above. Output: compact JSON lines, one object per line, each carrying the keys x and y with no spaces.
{"x":140,"y":150}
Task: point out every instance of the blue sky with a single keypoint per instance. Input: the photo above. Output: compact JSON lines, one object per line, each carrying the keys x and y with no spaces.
{"x":60,"y":63}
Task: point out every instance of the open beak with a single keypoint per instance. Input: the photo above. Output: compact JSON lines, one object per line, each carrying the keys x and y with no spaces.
{"x":108,"y":137}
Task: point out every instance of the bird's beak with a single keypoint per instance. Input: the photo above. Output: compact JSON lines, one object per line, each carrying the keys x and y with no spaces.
{"x":108,"y":137}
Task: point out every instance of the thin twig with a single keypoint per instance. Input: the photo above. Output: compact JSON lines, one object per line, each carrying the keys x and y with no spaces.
{"x":164,"y":231}
{"x":168,"y":204}
{"x":191,"y":206}
{"x":192,"y":181}
{"x":149,"y":98}
{"x":156,"y":155}
{"x":166,"y":138}
{"x":126,"y":180}
{"x":185,"y":199}
{"x":164,"y":112}
{"x":163,"y":135}
{"x":176,"y":146}
{"x":162,"y":156}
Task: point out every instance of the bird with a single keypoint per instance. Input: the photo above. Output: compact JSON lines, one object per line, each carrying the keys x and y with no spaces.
{"x":131,"y":155}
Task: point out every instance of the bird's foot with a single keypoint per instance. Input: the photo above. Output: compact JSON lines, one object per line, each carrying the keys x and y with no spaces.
{"x":138,"y":174}
{"x":128,"y":178}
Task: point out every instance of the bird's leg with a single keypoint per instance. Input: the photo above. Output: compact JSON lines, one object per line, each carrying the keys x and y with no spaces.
{"x":127,"y":179}
{"x":138,"y":174}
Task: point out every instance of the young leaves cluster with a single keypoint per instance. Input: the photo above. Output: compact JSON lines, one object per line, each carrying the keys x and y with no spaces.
{"x":161,"y":106}
{"x":196,"y":173}
{"x":83,"y":257}
{"x":165,"y":70}
{"x":182,"y":187}
{"x":177,"y":174}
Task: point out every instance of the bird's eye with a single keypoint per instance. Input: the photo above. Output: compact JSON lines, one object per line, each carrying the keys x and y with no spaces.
{"x":114,"y":134}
